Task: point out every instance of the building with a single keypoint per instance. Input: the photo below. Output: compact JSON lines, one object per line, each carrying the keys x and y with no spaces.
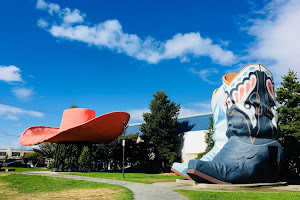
{"x":15,"y":154}
{"x":193,"y":141}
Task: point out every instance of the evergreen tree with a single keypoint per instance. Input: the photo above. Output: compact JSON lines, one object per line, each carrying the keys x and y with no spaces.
{"x":67,"y":154}
{"x":73,"y":153}
{"x":136,"y":152}
{"x":160,"y":130}
{"x":73,"y":106}
{"x":84,"y":159}
{"x":60,"y":156}
{"x":288,"y":96}
{"x":111,"y":152}
{"x":208,"y":138}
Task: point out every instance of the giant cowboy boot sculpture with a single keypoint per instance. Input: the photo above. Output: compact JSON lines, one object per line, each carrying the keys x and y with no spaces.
{"x":219,"y":136}
{"x":220,"y":124}
{"x":252,"y":130}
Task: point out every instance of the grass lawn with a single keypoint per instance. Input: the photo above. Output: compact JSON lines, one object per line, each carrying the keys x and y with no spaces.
{"x":131,"y":177}
{"x":205,"y":195}
{"x":22,"y":169}
{"x":20,"y":186}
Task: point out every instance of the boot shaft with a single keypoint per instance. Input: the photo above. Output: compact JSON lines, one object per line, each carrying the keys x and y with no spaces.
{"x":219,"y":116}
{"x":250,"y":101}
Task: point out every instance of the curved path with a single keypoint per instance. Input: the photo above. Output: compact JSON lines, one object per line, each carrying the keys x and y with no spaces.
{"x":141,"y":191}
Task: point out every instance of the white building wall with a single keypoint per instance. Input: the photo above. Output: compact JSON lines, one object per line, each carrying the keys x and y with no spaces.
{"x":193,"y":143}
{"x":9,"y":152}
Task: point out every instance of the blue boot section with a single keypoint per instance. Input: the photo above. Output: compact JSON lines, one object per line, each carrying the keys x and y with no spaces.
{"x":252,"y":153}
{"x":220,"y":128}
{"x":239,"y":162}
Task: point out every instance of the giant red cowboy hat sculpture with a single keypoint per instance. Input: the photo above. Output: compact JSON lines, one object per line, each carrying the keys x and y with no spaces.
{"x":79,"y":125}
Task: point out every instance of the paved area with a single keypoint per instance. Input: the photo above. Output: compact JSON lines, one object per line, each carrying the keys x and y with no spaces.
{"x":141,"y":191}
{"x":259,"y":187}
{"x":164,"y":190}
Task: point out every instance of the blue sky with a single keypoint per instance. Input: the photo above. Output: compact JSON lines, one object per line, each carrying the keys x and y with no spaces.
{"x":113,"y":55}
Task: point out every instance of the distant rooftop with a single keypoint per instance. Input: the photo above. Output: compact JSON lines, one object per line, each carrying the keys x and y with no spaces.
{"x":188,"y":123}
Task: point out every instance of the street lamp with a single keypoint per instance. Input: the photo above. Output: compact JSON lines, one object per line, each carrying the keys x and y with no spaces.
{"x":123,"y":144}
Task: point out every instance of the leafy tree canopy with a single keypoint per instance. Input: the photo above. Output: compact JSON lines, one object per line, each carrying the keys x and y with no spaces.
{"x":35,"y":157}
{"x":47,"y":149}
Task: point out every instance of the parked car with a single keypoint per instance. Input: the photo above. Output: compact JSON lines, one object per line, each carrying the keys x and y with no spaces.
{"x":15,"y":164}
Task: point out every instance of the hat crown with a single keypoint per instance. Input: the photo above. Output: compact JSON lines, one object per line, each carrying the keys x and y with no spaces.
{"x":75,"y":116}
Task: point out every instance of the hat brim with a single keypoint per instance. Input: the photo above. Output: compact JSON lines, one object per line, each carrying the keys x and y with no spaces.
{"x":101,"y":129}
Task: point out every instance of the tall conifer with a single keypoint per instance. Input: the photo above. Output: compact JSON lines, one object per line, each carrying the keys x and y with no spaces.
{"x":160,"y":130}
{"x":288,"y":97}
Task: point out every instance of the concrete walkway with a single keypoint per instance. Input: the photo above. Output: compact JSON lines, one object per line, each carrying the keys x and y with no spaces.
{"x":164,"y":190}
{"x":141,"y":191}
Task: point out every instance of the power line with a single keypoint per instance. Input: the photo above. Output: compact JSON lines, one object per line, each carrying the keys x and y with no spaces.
{"x":39,"y":122}
{"x":11,"y":136}
{"x":30,"y":107}
{"x":8,"y":135}
{"x":36,"y":121}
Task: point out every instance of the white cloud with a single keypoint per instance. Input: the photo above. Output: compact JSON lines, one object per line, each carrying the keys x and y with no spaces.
{"x":12,"y":113}
{"x":277,"y":36}
{"x":195,"y":108}
{"x":136,"y":115}
{"x":74,"y":16}
{"x":184,"y":112}
{"x":13,"y":74}
{"x":51,"y":7}
{"x":109,"y":34}
{"x":12,"y":117}
{"x":224,"y":43}
{"x":23,"y":93}
{"x":192,"y":43}
{"x":15,"y":144}
{"x":10,"y":73}
{"x":205,"y":73}
{"x":41,"y":4}
{"x":42,"y":23}
{"x":206,"y":107}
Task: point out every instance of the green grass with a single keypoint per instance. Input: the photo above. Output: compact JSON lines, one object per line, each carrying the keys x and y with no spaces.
{"x":131,"y":177}
{"x":38,"y":184}
{"x":191,"y":194}
{"x":22,"y":169}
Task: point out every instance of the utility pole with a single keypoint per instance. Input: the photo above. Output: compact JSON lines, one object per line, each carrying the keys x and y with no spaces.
{"x":123,"y":144}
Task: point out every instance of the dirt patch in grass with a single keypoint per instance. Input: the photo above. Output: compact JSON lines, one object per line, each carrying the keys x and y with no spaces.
{"x":168,"y":174}
{"x":4,"y":174}
{"x":4,"y":190}
{"x":157,"y":180}
{"x":87,"y":194}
